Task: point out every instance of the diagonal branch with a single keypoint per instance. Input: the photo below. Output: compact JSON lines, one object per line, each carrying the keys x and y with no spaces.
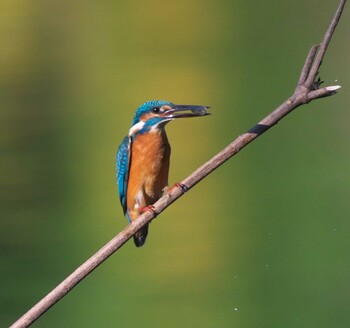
{"x":307,"y":90}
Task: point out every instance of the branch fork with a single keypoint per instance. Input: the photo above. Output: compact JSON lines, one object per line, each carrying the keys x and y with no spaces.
{"x":308,"y":87}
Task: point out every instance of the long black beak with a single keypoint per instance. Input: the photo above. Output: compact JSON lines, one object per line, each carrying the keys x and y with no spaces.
{"x":192,"y":111}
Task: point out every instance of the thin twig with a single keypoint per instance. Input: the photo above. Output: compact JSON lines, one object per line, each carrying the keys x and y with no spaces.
{"x":308,"y":62}
{"x":324,"y":45}
{"x":306,"y":91}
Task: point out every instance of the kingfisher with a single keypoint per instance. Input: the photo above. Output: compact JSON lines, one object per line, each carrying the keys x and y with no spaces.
{"x":143,"y":158}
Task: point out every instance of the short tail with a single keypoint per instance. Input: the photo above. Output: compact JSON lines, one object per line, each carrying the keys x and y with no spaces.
{"x":140,"y":236}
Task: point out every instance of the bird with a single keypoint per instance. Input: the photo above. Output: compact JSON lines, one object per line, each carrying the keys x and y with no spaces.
{"x":143,"y":158}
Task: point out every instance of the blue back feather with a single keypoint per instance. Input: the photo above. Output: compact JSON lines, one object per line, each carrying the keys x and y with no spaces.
{"x":123,"y":163}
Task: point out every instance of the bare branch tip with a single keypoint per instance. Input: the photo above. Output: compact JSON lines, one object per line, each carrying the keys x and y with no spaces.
{"x":333,"y":87}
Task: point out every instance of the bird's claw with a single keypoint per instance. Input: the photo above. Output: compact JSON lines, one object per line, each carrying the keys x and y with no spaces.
{"x":183,"y":187}
{"x":149,"y":208}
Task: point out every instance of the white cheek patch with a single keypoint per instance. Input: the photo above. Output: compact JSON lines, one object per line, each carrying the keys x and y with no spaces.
{"x":136,"y":128}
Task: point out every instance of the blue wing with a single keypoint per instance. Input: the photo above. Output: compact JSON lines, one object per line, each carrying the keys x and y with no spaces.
{"x":123,"y":163}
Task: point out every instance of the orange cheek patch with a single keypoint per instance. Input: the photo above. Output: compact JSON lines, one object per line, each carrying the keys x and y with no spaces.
{"x":166,"y":107}
{"x":146,"y":117}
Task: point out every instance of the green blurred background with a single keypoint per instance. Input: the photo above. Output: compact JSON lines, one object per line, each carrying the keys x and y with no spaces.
{"x":262,"y":242}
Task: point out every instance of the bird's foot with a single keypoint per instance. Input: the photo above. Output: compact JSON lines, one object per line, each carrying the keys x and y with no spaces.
{"x":148,"y":208}
{"x":183,"y":187}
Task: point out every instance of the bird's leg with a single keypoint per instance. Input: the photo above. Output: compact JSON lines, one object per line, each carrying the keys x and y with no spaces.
{"x":183,"y":187}
{"x":141,"y":203}
{"x":148,"y":208}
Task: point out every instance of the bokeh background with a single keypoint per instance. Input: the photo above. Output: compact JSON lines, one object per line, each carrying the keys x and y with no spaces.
{"x":262,"y":242}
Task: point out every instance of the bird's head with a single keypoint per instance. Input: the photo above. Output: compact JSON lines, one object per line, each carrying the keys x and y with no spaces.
{"x":155,"y":114}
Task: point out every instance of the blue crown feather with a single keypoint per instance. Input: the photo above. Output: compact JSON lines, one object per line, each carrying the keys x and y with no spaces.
{"x":147,"y":106}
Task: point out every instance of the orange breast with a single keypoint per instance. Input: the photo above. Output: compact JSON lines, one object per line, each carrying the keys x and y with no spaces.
{"x":149,"y":167}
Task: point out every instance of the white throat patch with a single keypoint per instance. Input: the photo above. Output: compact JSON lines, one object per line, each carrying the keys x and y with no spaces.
{"x":161,"y":124}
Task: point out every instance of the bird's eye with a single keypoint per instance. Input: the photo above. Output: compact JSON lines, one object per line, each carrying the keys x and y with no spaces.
{"x":156,"y":110}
